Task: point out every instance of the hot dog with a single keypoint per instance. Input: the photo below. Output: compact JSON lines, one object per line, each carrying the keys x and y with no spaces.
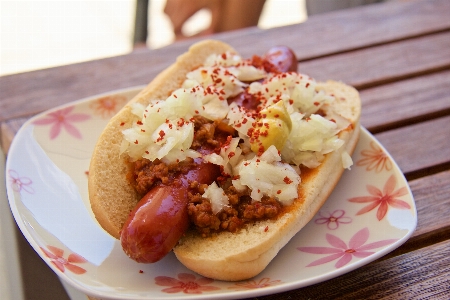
{"x":160,"y":218}
{"x":271,"y":211}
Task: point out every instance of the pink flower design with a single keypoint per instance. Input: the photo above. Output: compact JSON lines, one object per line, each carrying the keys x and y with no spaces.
{"x":253,"y":284}
{"x":20,"y":183}
{"x":344,"y":253}
{"x":375,"y":158}
{"x":63,"y":119}
{"x":334,"y":219}
{"x":108,"y":106}
{"x":186,"y":283}
{"x":56,"y":254}
{"x":383,"y":199}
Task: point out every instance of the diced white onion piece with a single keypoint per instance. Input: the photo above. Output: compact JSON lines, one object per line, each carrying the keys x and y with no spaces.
{"x":347,"y":161}
{"x":216,"y":196}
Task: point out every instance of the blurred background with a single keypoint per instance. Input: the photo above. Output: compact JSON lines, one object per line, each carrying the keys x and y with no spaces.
{"x":37,"y":34}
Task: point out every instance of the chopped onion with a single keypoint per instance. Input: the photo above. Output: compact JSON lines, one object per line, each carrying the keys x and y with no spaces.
{"x":217,"y":197}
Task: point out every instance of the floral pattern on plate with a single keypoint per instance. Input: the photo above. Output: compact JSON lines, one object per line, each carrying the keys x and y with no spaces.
{"x":186,"y":283}
{"x":370,"y":212}
{"x":383,"y":199}
{"x":57,"y":258}
{"x":343,"y":253}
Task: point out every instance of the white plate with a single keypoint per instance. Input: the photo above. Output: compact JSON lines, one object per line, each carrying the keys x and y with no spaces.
{"x":47,"y":170}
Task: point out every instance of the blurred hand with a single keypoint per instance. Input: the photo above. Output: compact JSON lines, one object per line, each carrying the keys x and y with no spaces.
{"x":179,"y":11}
{"x":225,"y":14}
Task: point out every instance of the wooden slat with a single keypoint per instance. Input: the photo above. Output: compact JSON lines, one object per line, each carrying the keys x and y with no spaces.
{"x":8,"y":130}
{"x":406,"y":102}
{"x":419,"y":147}
{"x":431,"y":195}
{"x":395,"y":278}
{"x":383,"y":64}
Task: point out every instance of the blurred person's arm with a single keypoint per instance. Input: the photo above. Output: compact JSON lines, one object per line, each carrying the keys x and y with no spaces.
{"x":225,"y":14}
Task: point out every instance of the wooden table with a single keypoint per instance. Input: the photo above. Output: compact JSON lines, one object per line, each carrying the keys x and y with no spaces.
{"x":397,"y":54}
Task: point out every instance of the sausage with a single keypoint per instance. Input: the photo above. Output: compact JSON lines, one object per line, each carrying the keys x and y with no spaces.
{"x":160,"y":218}
{"x":282,"y":58}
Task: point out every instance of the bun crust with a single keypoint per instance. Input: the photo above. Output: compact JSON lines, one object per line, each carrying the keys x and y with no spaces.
{"x":225,"y":256}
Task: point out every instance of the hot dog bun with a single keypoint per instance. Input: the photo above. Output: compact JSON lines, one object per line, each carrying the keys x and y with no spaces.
{"x":225,"y":256}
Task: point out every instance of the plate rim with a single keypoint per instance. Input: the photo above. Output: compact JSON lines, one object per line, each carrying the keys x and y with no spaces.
{"x":282,"y":287}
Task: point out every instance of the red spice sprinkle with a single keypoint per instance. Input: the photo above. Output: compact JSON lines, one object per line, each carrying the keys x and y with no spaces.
{"x":261,"y":150}
{"x":161,"y":136}
{"x":316,"y":103}
{"x":244,"y":121}
{"x":147,"y":152}
{"x":333,"y":120}
{"x":170,"y":125}
{"x":266,"y":229}
{"x":231,"y":154}
{"x":140,"y":271}
{"x":287,"y":180}
{"x":196,"y":111}
{"x":279,"y":192}
{"x":142,"y":130}
{"x":277,"y":116}
{"x":136,"y":142}
{"x":175,"y":96}
{"x":139,"y":123}
{"x":224,"y":55}
{"x":86,"y":172}
{"x":291,"y":101}
{"x":123,"y":123}
{"x":307,"y":84}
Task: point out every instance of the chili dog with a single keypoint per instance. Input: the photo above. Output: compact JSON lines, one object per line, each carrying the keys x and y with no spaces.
{"x":166,"y":205}
{"x":176,"y":210}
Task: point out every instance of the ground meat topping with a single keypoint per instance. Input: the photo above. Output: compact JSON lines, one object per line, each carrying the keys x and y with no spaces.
{"x":147,"y":173}
{"x":242,"y":210}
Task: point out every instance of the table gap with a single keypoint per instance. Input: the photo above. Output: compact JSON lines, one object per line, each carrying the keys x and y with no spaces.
{"x":416,"y":174}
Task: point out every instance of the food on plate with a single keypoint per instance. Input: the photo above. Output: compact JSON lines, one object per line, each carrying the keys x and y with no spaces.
{"x":222,"y":159}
